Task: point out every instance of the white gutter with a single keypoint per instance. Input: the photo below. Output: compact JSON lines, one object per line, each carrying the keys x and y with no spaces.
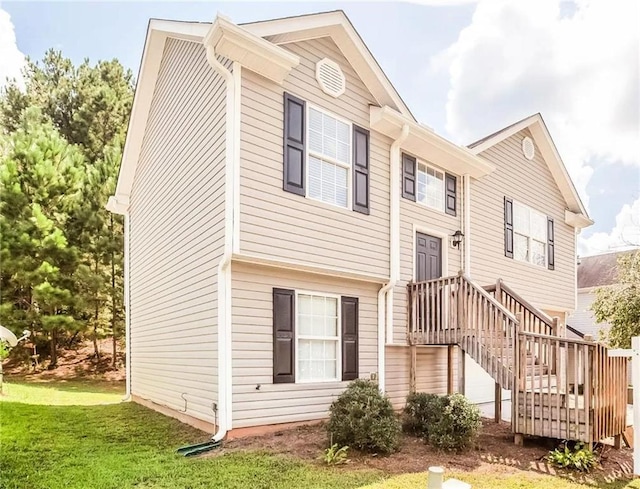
{"x":466,"y":211}
{"x":232,"y":80}
{"x":394,"y":253}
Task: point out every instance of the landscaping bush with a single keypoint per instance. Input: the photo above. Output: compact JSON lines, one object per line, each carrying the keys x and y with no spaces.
{"x":421,"y":412}
{"x":364,"y":419}
{"x":457,"y":426}
{"x":447,"y":422}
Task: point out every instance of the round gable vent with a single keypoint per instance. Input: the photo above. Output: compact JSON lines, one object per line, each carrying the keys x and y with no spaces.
{"x":330,"y":77}
{"x":528,"y":149}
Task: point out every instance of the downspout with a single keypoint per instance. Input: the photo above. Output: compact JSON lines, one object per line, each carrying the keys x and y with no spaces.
{"x":127,"y":310}
{"x":466,"y":212}
{"x":386,"y":335}
{"x":231,"y":78}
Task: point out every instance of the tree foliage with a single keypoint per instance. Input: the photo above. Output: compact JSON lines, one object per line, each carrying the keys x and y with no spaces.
{"x":619,"y":304}
{"x":61,"y":140}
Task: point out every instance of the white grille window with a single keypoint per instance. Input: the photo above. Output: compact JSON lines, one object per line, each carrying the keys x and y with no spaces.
{"x":318,"y":338}
{"x":329,"y":158}
{"x":430,"y":187}
{"x":529,"y":235}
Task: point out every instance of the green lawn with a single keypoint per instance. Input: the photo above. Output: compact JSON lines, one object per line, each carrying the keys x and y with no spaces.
{"x":66,"y":435}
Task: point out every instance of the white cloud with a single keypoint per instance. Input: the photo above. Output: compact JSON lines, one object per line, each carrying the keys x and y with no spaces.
{"x":577,"y":64}
{"x":624,"y":235}
{"x":11,"y":59}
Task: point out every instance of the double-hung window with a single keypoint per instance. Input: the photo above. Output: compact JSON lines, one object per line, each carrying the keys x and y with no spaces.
{"x":318,"y":337}
{"x":315,"y":337}
{"x":529,"y":235}
{"x":329,"y":158}
{"x":430,"y":188}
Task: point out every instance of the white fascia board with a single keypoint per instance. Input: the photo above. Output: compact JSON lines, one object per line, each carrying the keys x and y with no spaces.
{"x":147,"y":76}
{"x":550,"y":154}
{"x":576,"y":220}
{"x":426,"y":144}
{"x":253,"y":52}
{"x":337,"y":26}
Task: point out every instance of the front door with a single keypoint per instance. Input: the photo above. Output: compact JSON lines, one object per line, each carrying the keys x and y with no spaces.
{"x":428,"y":257}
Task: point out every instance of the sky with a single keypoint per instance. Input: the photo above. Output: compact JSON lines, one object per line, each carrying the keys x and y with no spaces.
{"x":465,"y":68}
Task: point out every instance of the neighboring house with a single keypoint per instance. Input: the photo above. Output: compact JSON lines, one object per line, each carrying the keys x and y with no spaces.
{"x":593,"y":272}
{"x":279,"y":197}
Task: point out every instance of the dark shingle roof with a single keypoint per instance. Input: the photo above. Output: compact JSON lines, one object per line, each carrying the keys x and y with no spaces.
{"x":597,"y":270}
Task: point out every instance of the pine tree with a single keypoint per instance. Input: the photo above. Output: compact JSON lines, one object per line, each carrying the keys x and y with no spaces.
{"x":41,"y":179}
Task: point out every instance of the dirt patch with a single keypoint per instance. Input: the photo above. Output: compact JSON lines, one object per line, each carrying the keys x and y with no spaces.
{"x":79,"y":362}
{"x":495,"y":452}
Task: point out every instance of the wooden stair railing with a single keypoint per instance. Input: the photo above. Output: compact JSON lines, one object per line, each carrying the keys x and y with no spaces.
{"x":582,"y":396}
{"x":561,"y":388}
{"x":455,"y":310}
{"x":535,"y":320}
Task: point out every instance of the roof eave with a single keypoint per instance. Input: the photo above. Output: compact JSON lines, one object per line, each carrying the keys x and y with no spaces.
{"x":424,"y":143}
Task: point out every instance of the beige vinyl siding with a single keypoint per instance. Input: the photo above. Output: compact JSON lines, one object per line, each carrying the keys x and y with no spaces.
{"x":275,"y":224}
{"x":530,"y":183}
{"x":256,"y":400}
{"x":431,"y":371}
{"x":177,"y":236}
{"x":416,"y":216}
{"x":583,"y":318}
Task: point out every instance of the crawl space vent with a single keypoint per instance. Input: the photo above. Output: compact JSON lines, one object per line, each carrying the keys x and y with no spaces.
{"x":528,"y":148}
{"x":330,"y":77}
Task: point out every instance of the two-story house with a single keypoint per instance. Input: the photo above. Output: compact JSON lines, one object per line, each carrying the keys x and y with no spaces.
{"x":281,"y":203}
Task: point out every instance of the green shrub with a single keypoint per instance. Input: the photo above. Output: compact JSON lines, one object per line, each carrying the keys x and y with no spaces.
{"x":421,"y":412}
{"x":457,"y":426}
{"x":364,"y":419}
{"x":578,"y":458}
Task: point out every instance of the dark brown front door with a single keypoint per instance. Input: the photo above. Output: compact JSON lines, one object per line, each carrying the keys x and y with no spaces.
{"x":428,"y":257}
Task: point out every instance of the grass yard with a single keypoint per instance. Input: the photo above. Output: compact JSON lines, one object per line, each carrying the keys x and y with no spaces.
{"x":78,"y":435}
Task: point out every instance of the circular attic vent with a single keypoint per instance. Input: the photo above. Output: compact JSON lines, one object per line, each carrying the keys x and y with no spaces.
{"x":528,"y":149}
{"x":330,"y":77}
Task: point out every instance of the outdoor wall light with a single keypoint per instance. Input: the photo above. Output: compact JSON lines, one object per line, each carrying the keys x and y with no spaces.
{"x":457,"y":238}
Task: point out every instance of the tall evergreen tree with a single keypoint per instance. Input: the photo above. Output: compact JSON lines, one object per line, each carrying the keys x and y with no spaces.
{"x":89,"y":107}
{"x":41,"y":179}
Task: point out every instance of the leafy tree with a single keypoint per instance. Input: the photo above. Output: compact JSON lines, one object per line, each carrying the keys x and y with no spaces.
{"x":619,"y":304}
{"x":89,"y":107}
{"x":41,"y":178}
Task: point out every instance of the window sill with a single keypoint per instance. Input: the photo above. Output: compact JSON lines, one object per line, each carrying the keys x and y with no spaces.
{"x":531,"y":265}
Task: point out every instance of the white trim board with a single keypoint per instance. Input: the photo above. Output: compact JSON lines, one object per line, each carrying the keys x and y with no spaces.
{"x":579,"y":217}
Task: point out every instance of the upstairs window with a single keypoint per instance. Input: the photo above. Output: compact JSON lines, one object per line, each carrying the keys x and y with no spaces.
{"x":430,"y":189}
{"x":329,"y":158}
{"x":325,"y":158}
{"x":529,"y":235}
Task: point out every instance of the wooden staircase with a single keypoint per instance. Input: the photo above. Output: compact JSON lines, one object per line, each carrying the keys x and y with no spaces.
{"x":560,"y":388}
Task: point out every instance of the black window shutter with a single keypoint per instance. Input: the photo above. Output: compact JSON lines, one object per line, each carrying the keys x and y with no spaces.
{"x":294,"y":141}
{"x":360,"y":170}
{"x":284,"y":313}
{"x":350,"y":362}
{"x":551,"y":263}
{"x":508,"y":227}
{"x":450,"y":188}
{"x":408,"y":177}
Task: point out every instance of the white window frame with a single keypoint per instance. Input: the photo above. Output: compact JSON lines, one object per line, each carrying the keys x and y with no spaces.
{"x":529,"y":259}
{"x":444,"y":182}
{"x":328,"y":159}
{"x":338,"y":338}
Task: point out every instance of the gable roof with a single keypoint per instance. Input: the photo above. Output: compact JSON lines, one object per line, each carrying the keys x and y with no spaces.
{"x":334,"y":24}
{"x":265,"y":35}
{"x":598,"y":270}
{"x":578,"y":216}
